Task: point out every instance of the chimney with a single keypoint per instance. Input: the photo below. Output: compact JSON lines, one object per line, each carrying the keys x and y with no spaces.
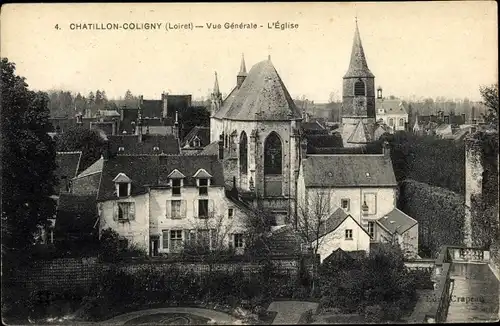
{"x":303,"y":148}
{"x":164,"y":97}
{"x":221,"y":147}
{"x":386,"y":150}
{"x":176,"y":125}
{"x":379,"y":93}
{"x":141,"y":100}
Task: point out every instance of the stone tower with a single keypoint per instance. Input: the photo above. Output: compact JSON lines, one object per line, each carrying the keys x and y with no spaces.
{"x":358,"y":96}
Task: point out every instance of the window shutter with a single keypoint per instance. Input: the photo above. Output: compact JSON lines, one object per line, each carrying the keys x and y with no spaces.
{"x":165,"y":235}
{"x":168,"y":213}
{"x":132,"y":211}
{"x":211,"y":208}
{"x":115,"y":211}
{"x":183,"y":209}
{"x":195,"y":208}
{"x":186,"y":236}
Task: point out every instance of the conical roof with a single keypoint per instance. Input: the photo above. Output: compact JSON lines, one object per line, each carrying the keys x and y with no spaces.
{"x":243,"y":67}
{"x":216,"y":85}
{"x":358,"y":67}
{"x":262,"y":96}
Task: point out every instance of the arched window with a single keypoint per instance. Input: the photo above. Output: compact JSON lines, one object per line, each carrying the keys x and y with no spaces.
{"x":243,"y":153}
{"x":272,"y":154}
{"x":391,"y":122}
{"x":359,"y":88}
{"x":401,"y":122}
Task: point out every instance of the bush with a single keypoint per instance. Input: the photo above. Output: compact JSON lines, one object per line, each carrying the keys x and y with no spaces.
{"x":440,"y":220}
{"x":374,"y":313}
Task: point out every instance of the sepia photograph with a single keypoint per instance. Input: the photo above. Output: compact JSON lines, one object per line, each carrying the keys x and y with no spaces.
{"x":267,"y":163}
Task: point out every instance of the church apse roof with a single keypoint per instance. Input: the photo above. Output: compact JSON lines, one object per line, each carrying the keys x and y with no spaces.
{"x":262,"y":96}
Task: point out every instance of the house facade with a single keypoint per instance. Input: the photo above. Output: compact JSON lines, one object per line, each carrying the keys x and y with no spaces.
{"x":161,"y":203}
{"x":391,"y":112}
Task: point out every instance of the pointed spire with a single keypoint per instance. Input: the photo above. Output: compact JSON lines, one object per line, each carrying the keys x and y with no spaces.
{"x":358,"y":67}
{"x":243,"y":67}
{"x":216,"y":85}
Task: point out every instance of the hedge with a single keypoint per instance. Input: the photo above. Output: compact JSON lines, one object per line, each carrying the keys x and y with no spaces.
{"x":440,"y":214}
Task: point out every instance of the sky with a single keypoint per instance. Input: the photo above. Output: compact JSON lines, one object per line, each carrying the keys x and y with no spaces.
{"x":427,"y":49}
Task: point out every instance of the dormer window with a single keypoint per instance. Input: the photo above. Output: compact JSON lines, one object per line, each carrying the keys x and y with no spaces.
{"x":156,"y":149}
{"x":123,"y":185}
{"x":196,"y":142}
{"x":121,"y":149}
{"x":202,"y":181}
{"x":176,"y":182}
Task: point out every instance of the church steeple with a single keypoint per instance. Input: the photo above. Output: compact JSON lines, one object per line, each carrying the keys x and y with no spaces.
{"x":216,"y":96}
{"x":358,"y":67}
{"x":240,"y":78}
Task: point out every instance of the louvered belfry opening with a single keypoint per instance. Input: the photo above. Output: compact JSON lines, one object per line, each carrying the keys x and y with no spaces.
{"x":359,"y":88}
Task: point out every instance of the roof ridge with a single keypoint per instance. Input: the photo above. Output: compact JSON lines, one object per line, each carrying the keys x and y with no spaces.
{"x":70,"y":152}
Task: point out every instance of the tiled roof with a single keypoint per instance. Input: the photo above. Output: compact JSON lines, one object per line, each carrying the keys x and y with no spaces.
{"x":167,"y":144}
{"x":148,"y":170}
{"x":390,"y":106}
{"x":203,"y":134}
{"x":76,"y":214}
{"x":360,"y":135}
{"x":211,"y":149}
{"x":334,"y":221}
{"x":262,"y":96}
{"x":358,"y":67}
{"x":67,"y":166}
{"x":357,"y":170}
{"x":96,"y":167}
{"x":398,"y":221}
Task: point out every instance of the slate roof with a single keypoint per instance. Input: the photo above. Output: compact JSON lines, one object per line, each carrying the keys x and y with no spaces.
{"x":109,"y":113}
{"x":261,"y":97}
{"x":203,"y":134}
{"x":152,"y":170}
{"x":398,"y":221}
{"x":167,"y":144}
{"x":358,"y":67}
{"x":315,"y":125}
{"x":211,"y":149}
{"x":334,"y":221}
{"x":152,"y":108}
{"x":360,"y":135}
{"x":394,"y":107}
{"x":317,"y":142}
{"x":285,"y":241}
{"x":96,"y":167}
{"x":76,"y":214}
{"x":346,"y":170}
{"x":68,"y":164}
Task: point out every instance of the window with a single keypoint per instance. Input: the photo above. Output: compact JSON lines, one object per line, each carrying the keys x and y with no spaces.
{"x":359,"y":88}
{"x":345,"y":203}
{"x":272,"y":154}
{"x":203,"y":187}
{"x":121,"y":149}
{"x":371,"y":229}
{"x":203,"y":208}
{"x":401,"y":122}
{"x":391,"y":122}
{"x":176,"y":187}
{"x":230,"y":213}
{"x":196,"y":142}
{"x":125,"y":211}
{"x":156,"y":148}
{"x":370,"y":200}
{"x":348,"y":234}
{"x":204,"y":238}
{"x":123,"y":189}
{"x":123,"y":243}
{"x":237,"y":240}
{"x":175,"y":209}
{"x":243,"y":153}
{"x":165,"y":239}
{"x":176,"y":240}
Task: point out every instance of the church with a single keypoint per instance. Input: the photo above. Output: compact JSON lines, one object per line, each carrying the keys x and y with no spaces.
{"x":259,"y":125}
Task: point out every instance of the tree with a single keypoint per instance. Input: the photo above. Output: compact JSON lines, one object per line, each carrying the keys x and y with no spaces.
{"x":489,"y":95}
{"x":28,"y":162}
{"x":194,"y":116}
{"x":129,"y":96}
{"x":89,"y":141}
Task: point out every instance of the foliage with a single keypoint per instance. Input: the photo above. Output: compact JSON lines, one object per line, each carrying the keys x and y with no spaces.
{"x":28,"y":163}
{"x":358,"y":285}
{"x":440,"y":220}
{"x":414,"y":156}
{"x":192,"y":117}
{"x":89,"y":142}
{"x":114,"y":247}
{"x":489,"y":95}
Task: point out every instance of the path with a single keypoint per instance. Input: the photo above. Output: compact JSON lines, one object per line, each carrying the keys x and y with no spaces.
{"x":289,"y":312}
{"x":219,"y":317}
{"x":475,"y":293}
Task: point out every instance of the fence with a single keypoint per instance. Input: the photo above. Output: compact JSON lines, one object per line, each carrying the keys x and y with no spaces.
{"x":79,"y":273}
